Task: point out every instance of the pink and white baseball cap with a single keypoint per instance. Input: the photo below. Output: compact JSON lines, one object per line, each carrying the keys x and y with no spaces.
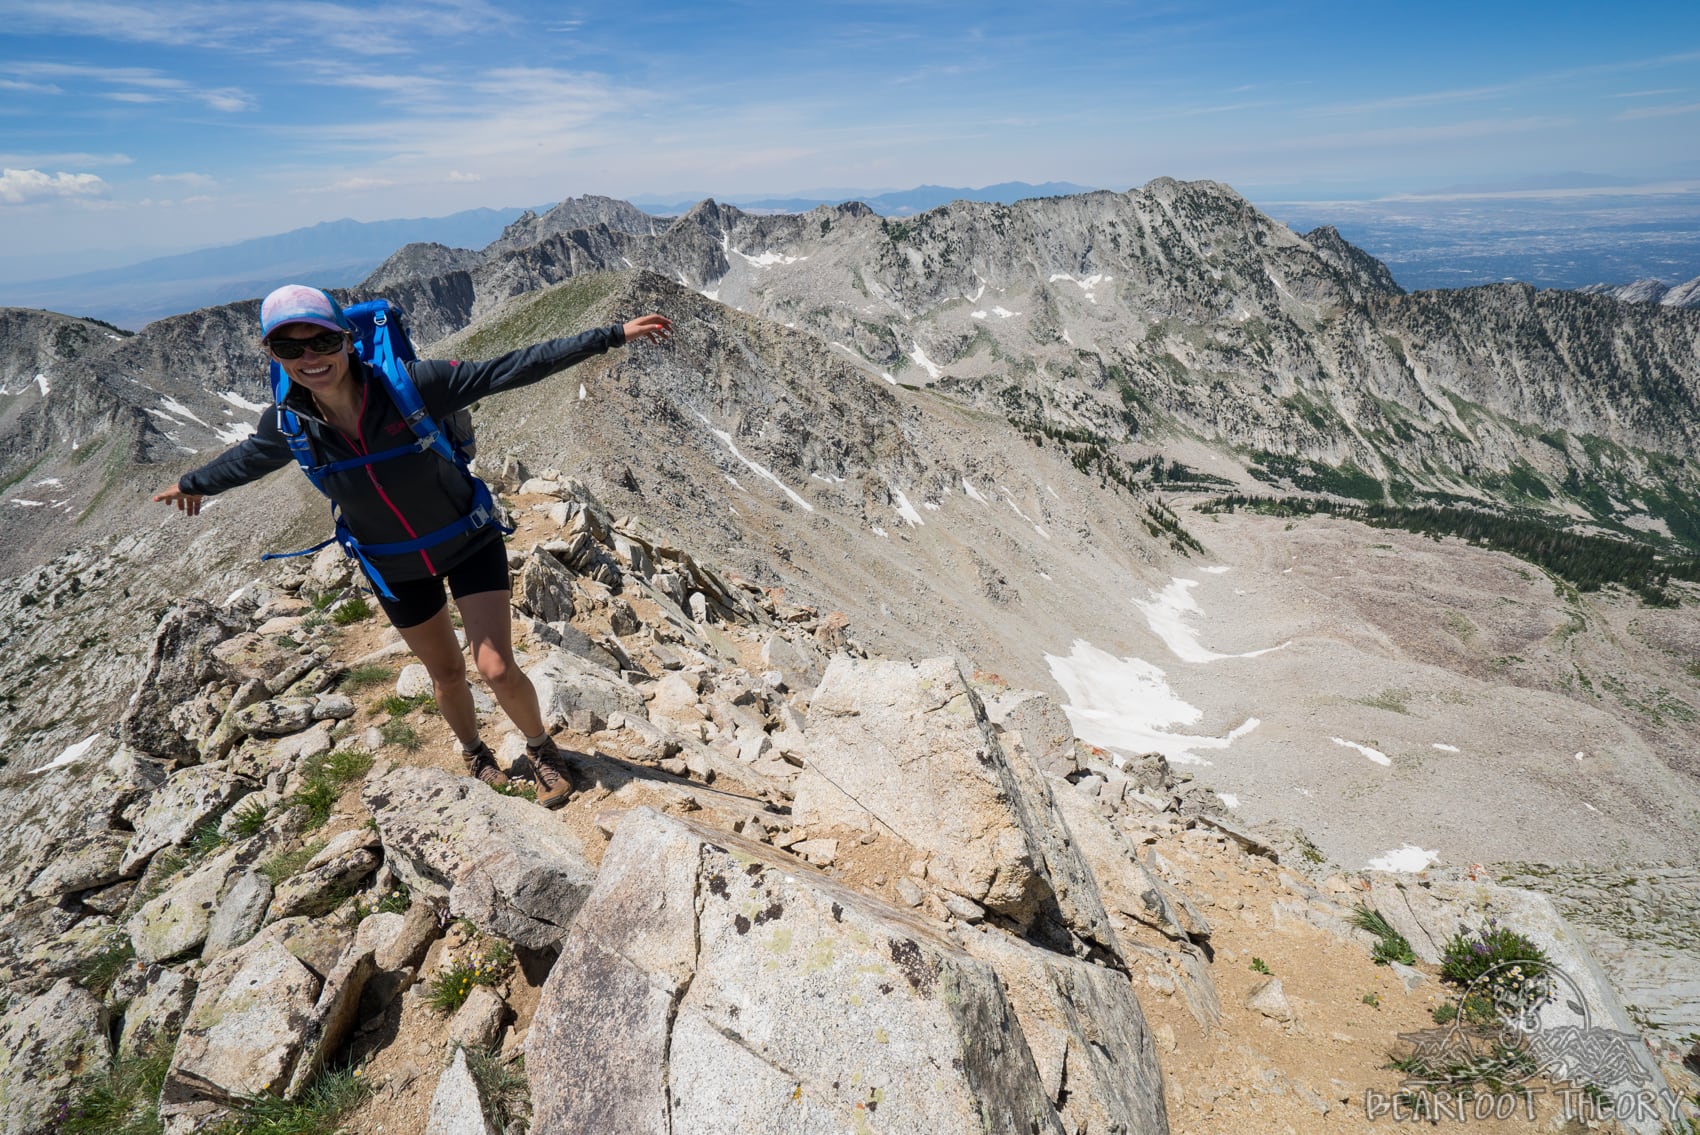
{"x":297,"y":303}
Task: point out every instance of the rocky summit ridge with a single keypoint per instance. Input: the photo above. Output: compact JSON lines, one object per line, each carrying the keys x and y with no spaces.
{"x":799,"y":888}
{"x":993,"y":437}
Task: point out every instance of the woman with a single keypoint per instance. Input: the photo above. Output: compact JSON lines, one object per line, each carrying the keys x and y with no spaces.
{"x":348,"y":414}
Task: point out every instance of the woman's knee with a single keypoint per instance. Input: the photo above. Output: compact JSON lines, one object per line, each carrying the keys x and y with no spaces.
{"x":447,"y":672}
{"x":498,"y":669}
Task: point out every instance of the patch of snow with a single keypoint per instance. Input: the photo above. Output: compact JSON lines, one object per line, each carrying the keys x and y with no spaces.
{"x":237,"y":400}
{"x":627,"y":263}
{"x":1217,"y":569}
{"x":907,"y":510}
{"x":977,"y":315}
{"x":41,"y":381}
{"x":758,"y":470}
{"x":581,"y":392}
{"x":1066,"y":338}
{"x":71,"y":755}
{"x":1166,"y":613}
{"x":1053,"y":492}
{"x":1041,"y":532}
{"x":1009,"y":499}
{"x":1407,"y":860}
{"x":714,"y":295}
{"x":930,"y":506}
{"x":48,"y":483}
{"x":829,"y":480}
{"x":973,"y":493}
{"x":1445,"y":748}
{"x":22,"y":503}
{"x":1229,"y":799}
{"x":975,"y":298}
{"x":924,"y":362}
{"x":887,"y":376}
{"x":1004,"y":313}
{"x":1044,"y":575}
{"x":734,"y":483}
{"x":235,"y":433}
{"x":1085,"y":283}
{"x":769,"y":259}
{"x":1375,"y":755}
{"x":176,"y":408}
{"x":878,"y":531}
{"x":1126,"y":704}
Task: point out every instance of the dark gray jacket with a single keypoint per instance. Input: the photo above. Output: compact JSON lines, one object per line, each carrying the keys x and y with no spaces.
{"x":408,"y":496}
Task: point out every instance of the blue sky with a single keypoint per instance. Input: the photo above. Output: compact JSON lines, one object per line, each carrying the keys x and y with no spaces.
{"x":130,"y":129}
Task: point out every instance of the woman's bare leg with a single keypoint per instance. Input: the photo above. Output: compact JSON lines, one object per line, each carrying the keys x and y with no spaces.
{"x":435,"y":643}
{"x":489,"y":632}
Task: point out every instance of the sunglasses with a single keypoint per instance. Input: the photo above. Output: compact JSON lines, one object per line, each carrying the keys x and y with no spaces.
{"x":324,"y":343}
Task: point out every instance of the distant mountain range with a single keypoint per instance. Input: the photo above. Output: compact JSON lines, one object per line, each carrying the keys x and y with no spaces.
{"x":886,"y":202}
{"x":334,"y":254}
{"x":1602,"y":243}
{"x":339,"y":254}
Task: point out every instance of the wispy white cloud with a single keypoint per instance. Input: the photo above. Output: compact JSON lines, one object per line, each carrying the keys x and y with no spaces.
{"x":352,"y":185}
{"x":1646,"y":94}
{"x":498,"y":115}
{"x":1658,"y":111}
{"x":250,"y":28}
{"x":1412,"y":101}
{"x":65,"y":159}
{"x":24,"y":186}
{"x":145,"y":85}
{"x":185,"y":179}
{"x":1411,"y":135}
{"x":31,"y":88}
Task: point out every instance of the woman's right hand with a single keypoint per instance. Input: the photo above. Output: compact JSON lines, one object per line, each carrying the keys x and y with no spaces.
{"x":188,"y":502}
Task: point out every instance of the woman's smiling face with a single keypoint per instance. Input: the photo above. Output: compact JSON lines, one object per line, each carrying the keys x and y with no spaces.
{"x":319,"y":373}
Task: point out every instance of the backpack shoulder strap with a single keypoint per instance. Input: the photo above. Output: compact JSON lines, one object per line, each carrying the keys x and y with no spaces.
{"x":289,"y":424}
{"x":387,"y":348}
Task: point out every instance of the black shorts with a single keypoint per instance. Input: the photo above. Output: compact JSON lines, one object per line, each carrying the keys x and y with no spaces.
{"x":419,"y":599}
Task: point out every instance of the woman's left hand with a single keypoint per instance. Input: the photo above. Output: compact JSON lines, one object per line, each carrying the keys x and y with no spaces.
{"x":654,"y":327}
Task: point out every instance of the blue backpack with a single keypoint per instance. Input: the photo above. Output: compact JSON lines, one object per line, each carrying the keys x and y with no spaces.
{"x":381,"y":342}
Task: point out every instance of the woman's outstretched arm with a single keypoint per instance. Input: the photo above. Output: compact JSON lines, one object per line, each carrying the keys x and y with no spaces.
{"x":446,"y":386}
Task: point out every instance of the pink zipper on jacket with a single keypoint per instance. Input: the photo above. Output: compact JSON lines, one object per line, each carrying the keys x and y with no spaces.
{"x":360,"y":447}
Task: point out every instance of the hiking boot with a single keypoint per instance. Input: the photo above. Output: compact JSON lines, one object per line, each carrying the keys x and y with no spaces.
{"x":549,"y":770}
{"x":481,"y":765}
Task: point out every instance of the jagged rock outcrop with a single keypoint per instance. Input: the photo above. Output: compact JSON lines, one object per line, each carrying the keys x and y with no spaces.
{"x":420,"y":261}
{"x":648,"y":1024}
{"x":503,"y":863}
{"x":572,"y":214}
{"x":1650,"y":291}
{"x":881,"y":732}
{"x":47,"y":1044}
{"x":38,"y":342}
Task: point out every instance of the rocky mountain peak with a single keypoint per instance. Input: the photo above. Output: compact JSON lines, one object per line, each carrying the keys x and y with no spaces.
{"x":572,"y":213}
{"x":1650,"y":291}
{"x":1352,"y":260}
{"x":420,"y":261}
